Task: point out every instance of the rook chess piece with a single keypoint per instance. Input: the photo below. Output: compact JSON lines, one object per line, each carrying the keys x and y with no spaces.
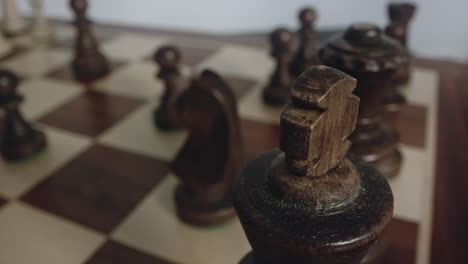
{"x":307,"y":202}
{"x":306,"y":55}
{"x":277,"y":91}
{"x":13,"y":23}
{"x":88,"y":64}
{"x":209,"y":159}
{"x":168,"y":58}
{"x":364,"y":52}
{"x":40,"y":30}
{"x":19,"y":139}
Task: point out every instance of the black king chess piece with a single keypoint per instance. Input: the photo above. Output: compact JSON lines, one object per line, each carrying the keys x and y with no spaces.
{"x":308,"y":202}
{"x":19,"y":139}
{"x":88,"y":64}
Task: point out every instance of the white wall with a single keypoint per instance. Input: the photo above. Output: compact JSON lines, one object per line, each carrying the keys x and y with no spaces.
{"x":440,"y":28}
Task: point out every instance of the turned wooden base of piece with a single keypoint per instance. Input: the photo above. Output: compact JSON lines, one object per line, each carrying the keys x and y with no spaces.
{"x":203,"y":211}
{"x":90,"y":70}
{"x":275,"y":97}
{"x":24,"y":150}
{"x":380,"y":150}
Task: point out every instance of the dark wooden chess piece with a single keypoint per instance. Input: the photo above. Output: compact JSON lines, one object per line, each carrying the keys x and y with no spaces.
{"x":88,"y":64}
{"x":400,"y":15}
{"x":209,"y":159}
{"x":308,"y":202}
{"x":19,"y":139}
{"x":370,"y":56}
{"x":168,"y":58}
{"x":306,"y":54}
{"x":277,"y":92}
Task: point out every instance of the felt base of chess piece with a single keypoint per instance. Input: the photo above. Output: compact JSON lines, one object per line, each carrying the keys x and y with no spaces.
{"x":377,"y":145}
{"x":23,"y":148}
{"x":205,"y":209}
{"x":344,"y":236}
{"x":88,"y":69}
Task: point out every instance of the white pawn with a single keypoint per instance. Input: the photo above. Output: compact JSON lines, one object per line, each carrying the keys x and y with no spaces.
{"x":40,"y":29}
{"x":5,"y":46}
{"x":13,"y":22}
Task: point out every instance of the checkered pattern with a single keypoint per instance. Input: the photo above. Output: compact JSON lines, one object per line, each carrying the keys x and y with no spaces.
{"x":102,"y":191}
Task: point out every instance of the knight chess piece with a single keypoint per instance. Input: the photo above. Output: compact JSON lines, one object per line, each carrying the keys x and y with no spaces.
{"x":308,"y":202}
{"x":41,"y":32}
{"x":306,"y":54}
{"x":277,"y":91}
{"x":19,"y":139}
{"x":13,"y":23}
{"x":364,"y":52}
{"x":400,"y":15}
{"x":168,"y":58}
{"x":209,"y":159}
{"x":88,"y":64}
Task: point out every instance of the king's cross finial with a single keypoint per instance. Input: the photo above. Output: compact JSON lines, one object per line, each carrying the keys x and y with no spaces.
{"x":316,"y":125}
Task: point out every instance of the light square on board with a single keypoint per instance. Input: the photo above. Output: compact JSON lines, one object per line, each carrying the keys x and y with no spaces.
{"x":43,"y":95}
{"x":239,"y":61}
{"x":37,"y":62}
{"x":421,"y":87}
{"x":18,"y":177}
{"x":137,"y":133}
{"x":99,"y":187}
{"x":33,"y":236}
{"x":132,"y":47}
{"x":136,"y":79}
{"x":252,"y":107}
{"x":154,"y":228}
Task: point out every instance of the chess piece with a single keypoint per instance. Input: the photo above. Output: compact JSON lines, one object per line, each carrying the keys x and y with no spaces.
{"x":13,"y":23}
{"x":41,"y":32}
{"x":367,"y":54}
{"x":168,"y":58}
{"x":209,"y":159}
{"x":306,"y":54}
{"x":5,"y":46}
{"x":19,"y":139}
{"x":308,"y":202}
{"x":88,"y":64}
{"x":277,"y":91}
{"x":400,"y":15}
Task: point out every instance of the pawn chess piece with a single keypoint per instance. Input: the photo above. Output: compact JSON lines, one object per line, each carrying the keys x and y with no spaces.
{"x":400,"y":15}
{"x":306,"y":54}
{"x":209,"y":159}
{"x":19,"y":139}
{"x":307,"y":202}
{"x":168,"y":58}
{"x":41,"y":32}
{"x":13,"y":23}
{"x":5,"y":46}
{"x":88,"y":64}
{"x":277,"y":91}
{"x":364,"y":52}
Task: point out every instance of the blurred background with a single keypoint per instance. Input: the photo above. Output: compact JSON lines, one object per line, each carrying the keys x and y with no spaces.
{"x":438,"y":30}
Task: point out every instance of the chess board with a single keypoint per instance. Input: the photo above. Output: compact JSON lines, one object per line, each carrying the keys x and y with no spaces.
{"x":102,"y":191}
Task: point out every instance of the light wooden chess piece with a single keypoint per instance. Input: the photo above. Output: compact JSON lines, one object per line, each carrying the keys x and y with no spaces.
{"x":13,"y":23}
{"x":308,"y":202}
{"x":5,"y":46}
{"x":41,"y":32}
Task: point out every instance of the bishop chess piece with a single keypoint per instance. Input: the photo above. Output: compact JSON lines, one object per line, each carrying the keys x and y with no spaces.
{"x":306,"y":54}
{"x":400,"y":15}
{"x":367,"y":54}
{"x":308,"y":202}
{"x":19,"y":139}
{"x":41,"y":32}
{"x":277,"y":91}
{"x":88,"y":64}
{"x":209,"y":159}
{"x":13,"y":23}
{"x":168,"y":58}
